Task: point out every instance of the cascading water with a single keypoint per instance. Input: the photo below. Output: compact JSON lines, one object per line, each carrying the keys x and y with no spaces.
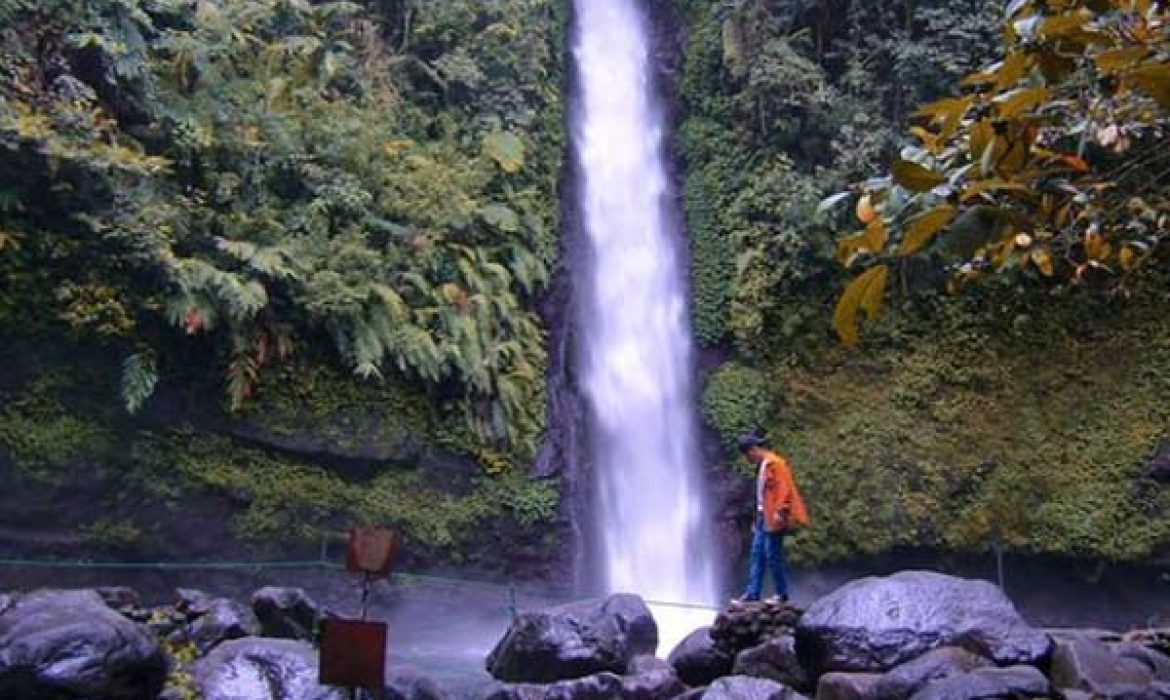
{"x":635,"y":336}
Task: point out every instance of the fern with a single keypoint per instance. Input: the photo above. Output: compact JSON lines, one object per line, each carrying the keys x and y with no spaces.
{"x":139,"y":378}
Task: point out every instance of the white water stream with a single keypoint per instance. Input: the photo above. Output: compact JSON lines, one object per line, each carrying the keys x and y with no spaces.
{"x":635,"y":335}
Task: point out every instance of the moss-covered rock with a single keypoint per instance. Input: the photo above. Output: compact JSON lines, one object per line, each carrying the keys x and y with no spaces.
{"x":973,"y":439}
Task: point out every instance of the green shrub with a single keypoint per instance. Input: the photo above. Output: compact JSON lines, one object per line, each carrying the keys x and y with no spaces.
{"x":737,"y":399}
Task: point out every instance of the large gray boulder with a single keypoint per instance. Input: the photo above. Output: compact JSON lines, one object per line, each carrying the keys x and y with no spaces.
{"x":745,"y":688}
{"x":1087,"y":664}
{"x":651,"y":678}
{"x":261,"y":669}
{"x":698,"y":660}
{"x":986,"y":683}
{"x":70,"y":644}
{"x":837,"y":685}
{"x":287,"y":613}
{"x":775,"y":660}
{"x":225,"y":619}
{"x":574,"y":640}
{"x":1157,"y":662}
{"x":599,"y":686}
{"x":903,"y":681}
{"x":410,"y":683}
{"x":876,"y":623}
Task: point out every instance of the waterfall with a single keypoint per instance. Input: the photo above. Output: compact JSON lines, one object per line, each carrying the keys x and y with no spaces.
{"x":635,"y":342}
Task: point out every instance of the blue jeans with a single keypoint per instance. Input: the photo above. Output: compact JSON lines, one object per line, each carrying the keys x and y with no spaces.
{"x":767,"y":549}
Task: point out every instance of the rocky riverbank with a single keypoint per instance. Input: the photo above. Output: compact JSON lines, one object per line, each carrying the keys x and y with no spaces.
{"x":915,"y":635}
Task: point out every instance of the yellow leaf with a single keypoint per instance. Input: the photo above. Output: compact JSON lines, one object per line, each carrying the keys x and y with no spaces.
{"x":871,"y":241}
{"x":978,"y":187}
{"x":922,"y":228}
{"x":1013,"y":103}
{"x":1109,"y":62}
{"x":915,"y":177}
{"x":1126,"y":258}
{"x":930,"y":141}
{"x":948,"y":113}
{"x":864,"y":292}
{"x":981,"y":135}
{"x":1012,"y":69}
{"x":875,"y":235}
{"x":1043,"y":260}
{"x":1154,"y":80}
{"x":1067,"y":23}
{"x":9,"y":240}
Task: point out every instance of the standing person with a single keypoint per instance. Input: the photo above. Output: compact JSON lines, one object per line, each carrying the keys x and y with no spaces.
{"x":779,"y":508}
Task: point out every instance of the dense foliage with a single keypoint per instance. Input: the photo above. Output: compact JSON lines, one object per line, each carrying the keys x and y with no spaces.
{"x":783,"y":104}
{"x":1008,"y":415}
{"x":1053,"y":164}
{"x":260,"y":177}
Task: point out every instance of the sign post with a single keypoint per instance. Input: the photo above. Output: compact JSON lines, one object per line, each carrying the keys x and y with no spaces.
{"x":353,"y":652}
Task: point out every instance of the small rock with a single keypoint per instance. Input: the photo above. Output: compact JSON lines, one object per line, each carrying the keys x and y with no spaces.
{"x":410,"y":683}
{"x":119,"y":597}
{"x":192,"y":602}
{"x":775,"y":660}
{"x":905,"y":680}
{"x":847,"y":686}
{"x":698,"y":660}
{"x":261,"y":669}
{"x":651,"y":678}
{"x":287,"y":613}
{"x":71,"y":644}
{"x":1087,"y":664}
{"x":982,"y":683}
{"x":6,"y":601}
{"x":599,"y":686}
{"x":225,"y":619}
{"x":745,"y":688}
{"x":574,"y":640}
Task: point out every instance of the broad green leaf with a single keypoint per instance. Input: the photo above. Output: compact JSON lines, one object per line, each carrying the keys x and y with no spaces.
{"x":915,"y":177}
{"x":506,"y":149}
{"x":920,"y":230}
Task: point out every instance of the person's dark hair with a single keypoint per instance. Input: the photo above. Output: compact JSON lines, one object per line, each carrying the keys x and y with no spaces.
{"x":749,"y":440}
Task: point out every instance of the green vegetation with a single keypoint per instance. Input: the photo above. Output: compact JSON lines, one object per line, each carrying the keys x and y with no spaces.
{"x":1009,"y":414}
{"x":1052,"y":164}
{"x":259,"y":178}
{"x":289,"y":500}
{"x":1032,"y":439}
{"x":735,"y":400}
{"x":42,"y":435}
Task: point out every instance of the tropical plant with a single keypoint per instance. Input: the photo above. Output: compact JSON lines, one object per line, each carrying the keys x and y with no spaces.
{"x":1051,"y":165}
{"x":259,"y":176}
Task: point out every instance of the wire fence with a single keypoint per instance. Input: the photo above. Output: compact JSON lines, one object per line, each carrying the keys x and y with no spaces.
{"x":509,"y":589}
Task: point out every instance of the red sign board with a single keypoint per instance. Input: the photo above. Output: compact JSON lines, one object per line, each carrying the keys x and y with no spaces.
{"x":353,"y":654}
{"x":371,"y":550}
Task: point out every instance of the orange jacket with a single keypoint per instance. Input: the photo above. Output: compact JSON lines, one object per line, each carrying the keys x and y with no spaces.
{"x":780,"y":493}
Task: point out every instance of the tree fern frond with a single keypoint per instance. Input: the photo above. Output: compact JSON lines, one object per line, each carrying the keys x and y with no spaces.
{"x":139,"y":377}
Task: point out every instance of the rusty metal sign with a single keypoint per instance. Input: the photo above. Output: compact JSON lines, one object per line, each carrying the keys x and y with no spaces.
{"x":353,"y":654}
{"x":371,"y":550}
